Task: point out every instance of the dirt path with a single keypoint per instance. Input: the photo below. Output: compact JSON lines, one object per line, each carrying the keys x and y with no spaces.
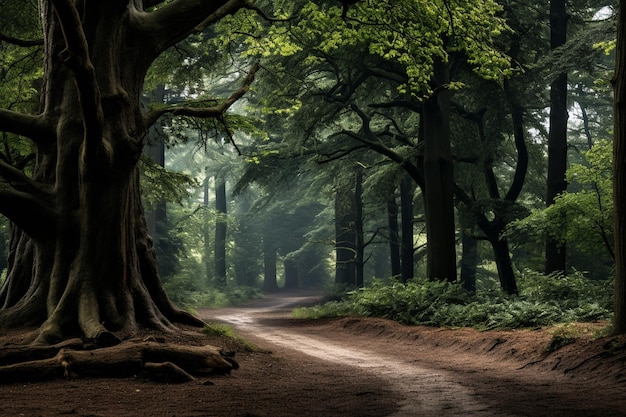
{"x":426,"y":379}
{"x":422,"y":391}
{"x":353,"y":367}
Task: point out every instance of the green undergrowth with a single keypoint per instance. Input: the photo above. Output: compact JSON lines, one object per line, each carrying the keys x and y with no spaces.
{"x":192,"y":297}
{"x":542,"y":301}
{"x":567,"y":333}
{"x":225,"y":331}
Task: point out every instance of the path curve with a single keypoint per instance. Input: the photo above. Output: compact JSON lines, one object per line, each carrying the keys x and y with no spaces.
{"x":424,"y":391}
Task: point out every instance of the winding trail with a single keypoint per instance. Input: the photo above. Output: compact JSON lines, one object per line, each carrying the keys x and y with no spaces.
{"x":424,"y":391}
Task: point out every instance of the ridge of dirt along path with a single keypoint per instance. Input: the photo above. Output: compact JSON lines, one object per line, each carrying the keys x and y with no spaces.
{"x":420,"y":371}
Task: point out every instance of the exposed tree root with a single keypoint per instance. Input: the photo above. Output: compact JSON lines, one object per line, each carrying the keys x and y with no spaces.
{"x":73,"y":358}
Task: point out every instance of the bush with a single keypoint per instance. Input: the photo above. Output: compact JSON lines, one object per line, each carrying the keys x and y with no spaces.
{"x":192,"y":297}
{"x":543,"y":301}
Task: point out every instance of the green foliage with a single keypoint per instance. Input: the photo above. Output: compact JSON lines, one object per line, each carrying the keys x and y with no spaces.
{"x":224,"y":330}
{"x":583,"y":215}
{"x":558,"y":341}
{"x":214,"y":329}
{"x":20,"y":67}
{"x":160,"y":184}
{"x":410,"y":33}
{"x":543,"y":301}
{"x":189,"y":294}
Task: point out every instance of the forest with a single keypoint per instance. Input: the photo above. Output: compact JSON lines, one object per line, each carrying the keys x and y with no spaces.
{"x":450,"y":163}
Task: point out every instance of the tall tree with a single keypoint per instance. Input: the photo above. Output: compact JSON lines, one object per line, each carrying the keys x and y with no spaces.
{"x":221,"y":225}
{"x":406,"y":209}
{"x":83,"y":260}
{"x":380,"y":38}
{"x":346,"y":239}
{"x":619,"y":173}
{"x":439,"y":178}
{"x":394,"y":236}
{"x":557,"y":139}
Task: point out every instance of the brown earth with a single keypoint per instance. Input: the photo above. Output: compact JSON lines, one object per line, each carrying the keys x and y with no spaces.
{"x":358,"y":367}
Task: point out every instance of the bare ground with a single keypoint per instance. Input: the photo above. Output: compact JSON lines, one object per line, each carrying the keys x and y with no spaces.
{"x":357,"y":367}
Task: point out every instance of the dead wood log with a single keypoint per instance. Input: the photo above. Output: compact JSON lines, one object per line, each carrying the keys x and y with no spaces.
{"x":172,"y":363}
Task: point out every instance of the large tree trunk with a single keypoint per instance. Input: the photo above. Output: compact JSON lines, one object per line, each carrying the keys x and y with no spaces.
{"x":439,"y":180}
{"x":557,"y":140}
{"x":84,"y":264}
{"x":619,"y":174}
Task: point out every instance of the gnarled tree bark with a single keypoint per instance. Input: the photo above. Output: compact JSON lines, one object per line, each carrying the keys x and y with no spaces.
{"x":82,"y":262}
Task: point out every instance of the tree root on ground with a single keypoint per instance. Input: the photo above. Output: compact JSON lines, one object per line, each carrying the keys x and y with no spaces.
{"x":73,"y":358}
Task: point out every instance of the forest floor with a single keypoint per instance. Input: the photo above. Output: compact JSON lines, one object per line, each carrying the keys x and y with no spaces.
{"x":357,"y":367}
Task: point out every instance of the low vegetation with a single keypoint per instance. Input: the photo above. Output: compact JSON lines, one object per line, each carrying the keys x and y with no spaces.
{"x":192,"y":295}
{"x":543,"y":301}
{"x":224,"y":331}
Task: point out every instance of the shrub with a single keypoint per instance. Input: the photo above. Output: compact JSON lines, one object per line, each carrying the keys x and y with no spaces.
{"x":543,"y":301}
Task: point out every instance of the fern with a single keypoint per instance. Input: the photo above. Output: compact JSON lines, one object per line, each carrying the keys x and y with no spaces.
{"x":544,"y":301}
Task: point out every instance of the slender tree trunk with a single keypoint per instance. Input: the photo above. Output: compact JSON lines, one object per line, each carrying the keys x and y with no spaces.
{"x":469,"y":262}
{"x":394,"y":236}
{"x":557,"y":140}
{"x":619,"y":174}
{"x":359,"y":260}
{"x":248,"y":250}
{"x":505,"y":265}
{"x":220,"y":231}
{"x":291,"y":274}
{"x":406,"y":201}
{"x":345,"y":236}
{"x":270,"y":283}
{"x":206,"y":233}
{"x":439,"y":180}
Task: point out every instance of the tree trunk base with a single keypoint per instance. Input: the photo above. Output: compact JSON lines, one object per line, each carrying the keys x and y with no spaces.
{"x":73,"y":358}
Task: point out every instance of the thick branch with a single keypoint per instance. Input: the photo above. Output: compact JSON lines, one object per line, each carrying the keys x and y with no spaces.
{"x":24,"y":201}
{"x":407,"y":104}
{"x":340,"y":153}
{"x":229,"y":8}
{"x":392,"y":76}
{"x":175,"y":21}
{"x":15,"y":176}
{"x":27,"y":43}
{"x":203,"y":112}
{"x":32,"y":127}
{"x":517,"y":115}
{"x":35,"y":216}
